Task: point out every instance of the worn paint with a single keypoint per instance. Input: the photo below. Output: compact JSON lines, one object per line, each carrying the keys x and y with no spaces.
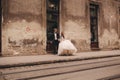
{"x":24,"y":25}
{"x":110,"y":34}
{"x":75,"y":24}
{"x":22,"y":31}
{"x":18,"y":36}
{"x":82,"y":37}
{"x":26,"y":6}
{"x":109,"y":39}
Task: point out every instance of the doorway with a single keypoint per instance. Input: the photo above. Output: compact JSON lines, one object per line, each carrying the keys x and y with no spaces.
{"x":52,"y":20}
{"x":94,"y":25}
{"x":0,"y":30}
{"x":119,"y":22}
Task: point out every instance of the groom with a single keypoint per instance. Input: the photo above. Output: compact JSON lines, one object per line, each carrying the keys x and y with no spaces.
{"x":55,"y":40}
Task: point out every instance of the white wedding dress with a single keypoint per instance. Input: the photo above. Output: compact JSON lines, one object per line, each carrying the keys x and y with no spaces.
{"x":66,"y":47}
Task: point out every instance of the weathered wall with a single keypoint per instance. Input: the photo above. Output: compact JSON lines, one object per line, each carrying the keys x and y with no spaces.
{"x":24,"y":25}
{"x":108,"y":24}
{"x":23,"y":32}
{"x":75,"y":22}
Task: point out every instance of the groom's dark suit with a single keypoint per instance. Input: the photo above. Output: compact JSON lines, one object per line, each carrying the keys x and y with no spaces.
{"x":55,"y":41}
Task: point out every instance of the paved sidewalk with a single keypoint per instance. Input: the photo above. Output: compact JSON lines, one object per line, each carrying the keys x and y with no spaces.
{"x":41,"y":59}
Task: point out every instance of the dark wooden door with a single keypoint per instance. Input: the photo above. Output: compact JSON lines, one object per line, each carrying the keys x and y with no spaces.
{"x":94,"y":25}
{"x":52,"y":21}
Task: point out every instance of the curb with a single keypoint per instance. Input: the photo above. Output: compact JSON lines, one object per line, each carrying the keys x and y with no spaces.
{"x":55,"y":61}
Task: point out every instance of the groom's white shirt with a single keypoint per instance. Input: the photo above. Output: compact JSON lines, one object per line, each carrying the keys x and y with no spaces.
{"x":55,"y":34}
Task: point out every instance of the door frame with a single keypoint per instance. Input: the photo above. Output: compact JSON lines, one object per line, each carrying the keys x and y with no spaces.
{"x":94,"y":45}
{"x":58,"y":24}
{"x":1,"y":28}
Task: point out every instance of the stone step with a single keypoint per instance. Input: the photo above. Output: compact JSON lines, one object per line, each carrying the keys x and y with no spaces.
{"x":58,"y":69}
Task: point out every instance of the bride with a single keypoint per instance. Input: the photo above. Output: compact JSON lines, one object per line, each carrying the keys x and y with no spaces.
{"x":66,"y":47}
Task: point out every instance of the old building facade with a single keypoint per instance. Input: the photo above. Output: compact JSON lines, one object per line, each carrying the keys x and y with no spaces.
{"x":89,"y":24}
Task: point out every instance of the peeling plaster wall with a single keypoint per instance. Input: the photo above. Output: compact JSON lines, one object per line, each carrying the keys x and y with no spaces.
{"x":23,"y":32}
{"x":26,"y":6}
{"x":74,"y":20}
{"x":75,"y":23}
{"x":109,"y":37}
{"x":24,"y":25}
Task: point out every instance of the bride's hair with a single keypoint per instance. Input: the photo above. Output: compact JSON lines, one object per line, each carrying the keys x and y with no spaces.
{"x":62,"y":35}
